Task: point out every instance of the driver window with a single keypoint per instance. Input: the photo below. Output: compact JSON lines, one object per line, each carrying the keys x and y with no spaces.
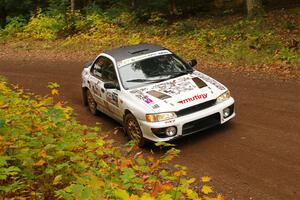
{"x":104,"y":70}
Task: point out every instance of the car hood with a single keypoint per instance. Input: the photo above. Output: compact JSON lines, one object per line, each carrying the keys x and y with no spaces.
{"x":179,"y":93}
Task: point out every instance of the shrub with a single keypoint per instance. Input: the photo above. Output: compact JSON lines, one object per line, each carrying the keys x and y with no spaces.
{"x":43,"y":27}
{"x":45,"y":154}
{"x":14,"y":25}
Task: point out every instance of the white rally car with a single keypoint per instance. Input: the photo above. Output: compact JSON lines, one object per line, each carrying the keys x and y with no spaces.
{"x":154,"y":94}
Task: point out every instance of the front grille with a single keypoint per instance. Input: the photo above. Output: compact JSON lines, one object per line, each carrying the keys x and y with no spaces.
{"x":201,"y":124}
{"x":195,"y":108}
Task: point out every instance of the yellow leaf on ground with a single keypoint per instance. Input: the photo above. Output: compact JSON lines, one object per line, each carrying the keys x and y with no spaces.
{"x":205,"y":179}
{"x":133,"y":197}
{"x":122,"y":194}
{"x":57,"y":179}
{"x":206,"y":189}
{"x":54,"y":92}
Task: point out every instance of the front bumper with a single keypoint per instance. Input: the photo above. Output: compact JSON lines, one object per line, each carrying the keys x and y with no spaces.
{"x":191,"y":123}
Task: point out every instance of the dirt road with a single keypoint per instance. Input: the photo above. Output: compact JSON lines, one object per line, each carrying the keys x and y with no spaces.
{"x":256,"y":156}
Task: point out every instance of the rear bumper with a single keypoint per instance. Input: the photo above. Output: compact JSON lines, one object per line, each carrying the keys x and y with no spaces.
{"x":190,"y":124}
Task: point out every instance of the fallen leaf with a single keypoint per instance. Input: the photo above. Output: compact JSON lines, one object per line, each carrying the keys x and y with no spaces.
{"x":205,"y":179}
{"x":40,"y":163}
{"x":206,"y":189}
{"x":57,"y":179}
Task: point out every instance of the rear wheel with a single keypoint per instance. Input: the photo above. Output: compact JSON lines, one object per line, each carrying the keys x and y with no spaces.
{"x":92,"y":105}
{"x":133,"y":130}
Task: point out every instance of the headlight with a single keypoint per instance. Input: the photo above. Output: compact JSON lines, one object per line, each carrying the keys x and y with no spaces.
{"x":223,"y":97}
{"x":160,"y":117}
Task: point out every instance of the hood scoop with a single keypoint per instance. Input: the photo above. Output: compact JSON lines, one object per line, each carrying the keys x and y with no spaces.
{"x":178,"y":86}
{"x":158,"y":95}
{"x":199,"y":82}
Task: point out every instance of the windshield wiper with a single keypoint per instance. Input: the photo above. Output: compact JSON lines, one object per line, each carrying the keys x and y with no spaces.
{"x":177,"y":74}
{"x":142,"y":80}
{"x":171,"y":75}
{"x":174,"y":74}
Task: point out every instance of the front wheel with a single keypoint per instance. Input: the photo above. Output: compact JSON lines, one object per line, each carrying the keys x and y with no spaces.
{"x":92,"y":105}
{"x":133,"y":130}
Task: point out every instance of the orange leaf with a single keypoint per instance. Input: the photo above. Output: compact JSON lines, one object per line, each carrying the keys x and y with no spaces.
{"x":167,"y":187}
{"x":42,"y":153}
{"x":86,"y":174}
{"x":179,"y":173}
{"x":220,"y":197}
{"x":157,"y":189}
{"x":126,"y":163}
{"x":40,"y":163}
{"x":150,"y":158}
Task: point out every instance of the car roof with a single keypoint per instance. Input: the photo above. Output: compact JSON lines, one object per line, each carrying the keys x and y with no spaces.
{"x":125,"y":52}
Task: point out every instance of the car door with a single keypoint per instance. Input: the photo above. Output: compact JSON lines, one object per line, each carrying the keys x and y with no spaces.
{"x":96,"y":84}
{"x":111,"y":96}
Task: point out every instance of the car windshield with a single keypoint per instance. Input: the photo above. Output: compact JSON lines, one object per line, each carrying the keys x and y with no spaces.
{"x":152,"y":70}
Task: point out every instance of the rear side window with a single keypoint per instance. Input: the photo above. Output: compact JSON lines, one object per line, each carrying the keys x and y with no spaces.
{"x":104,"y":70}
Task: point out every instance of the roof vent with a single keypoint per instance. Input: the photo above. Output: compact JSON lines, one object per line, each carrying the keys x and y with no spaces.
{"x":137,"y":51}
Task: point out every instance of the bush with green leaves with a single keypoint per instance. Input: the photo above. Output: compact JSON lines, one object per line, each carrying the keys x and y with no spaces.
{"x":43,"y":27}
{"x":46,"y":154}
{"x":13,"y":26}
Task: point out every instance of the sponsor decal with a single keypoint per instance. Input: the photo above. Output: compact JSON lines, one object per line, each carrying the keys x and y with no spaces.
{"x":142,"y":57}
{"x":155,"y":106}
{"x":112,"y":98}
{"x":196,"y":97}
{"x":175,"y":87}
{"x":148,"y":101}
{"x":101,"y":62}
{"x":170,"y":121}
{"x":139,"y":94}
{"x":96,"y":90}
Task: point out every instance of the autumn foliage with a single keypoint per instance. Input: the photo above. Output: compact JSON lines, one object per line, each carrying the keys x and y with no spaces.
{"x":46,"y":154}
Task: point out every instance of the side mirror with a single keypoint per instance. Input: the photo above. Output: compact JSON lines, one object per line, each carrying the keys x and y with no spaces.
{"x":111,"y":85}
{"x":192,"y":62}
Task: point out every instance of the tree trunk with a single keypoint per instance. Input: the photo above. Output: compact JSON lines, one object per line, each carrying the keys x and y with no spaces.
{"x":254,"y":7}
{"x":72,"y":5}
{"x":133,"y":4}
{"x":37,"y":6}
{"x":173,"y":7}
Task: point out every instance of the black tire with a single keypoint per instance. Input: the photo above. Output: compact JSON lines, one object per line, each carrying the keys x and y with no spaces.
{"x":91,"y":103}
{"x":84,"y":98}
{"x":133,"y":130}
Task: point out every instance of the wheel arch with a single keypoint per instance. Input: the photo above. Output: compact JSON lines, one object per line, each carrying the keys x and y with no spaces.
{"x":126,"y":112}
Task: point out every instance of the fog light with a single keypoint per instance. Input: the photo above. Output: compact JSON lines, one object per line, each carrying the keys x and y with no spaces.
{"x":171,"y":131}
{"x":226,"y":112}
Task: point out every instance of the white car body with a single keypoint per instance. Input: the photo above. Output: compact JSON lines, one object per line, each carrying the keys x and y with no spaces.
{"x":192,"y":97}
